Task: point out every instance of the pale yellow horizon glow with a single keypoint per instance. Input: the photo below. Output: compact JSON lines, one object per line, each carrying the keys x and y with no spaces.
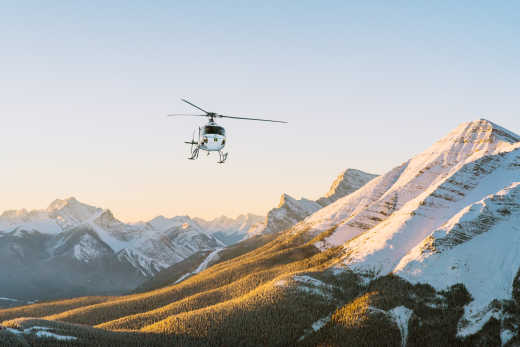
{"x":144,"y":206}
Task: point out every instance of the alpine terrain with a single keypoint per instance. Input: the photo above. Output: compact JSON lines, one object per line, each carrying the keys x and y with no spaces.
{"x":72,"y":249}
{"x":427,"y":254}
{"x":290,"y":210}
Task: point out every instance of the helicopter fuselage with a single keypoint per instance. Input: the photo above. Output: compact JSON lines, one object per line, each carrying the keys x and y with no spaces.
{"x":212,"y":137}
{"x":212,"y":142}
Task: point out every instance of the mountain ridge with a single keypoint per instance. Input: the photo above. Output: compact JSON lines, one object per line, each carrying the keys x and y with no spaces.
{"x":82,"y":235}
{"x":426,"y":254}
{"x":380,"y":224}
{"x":290,"y":211}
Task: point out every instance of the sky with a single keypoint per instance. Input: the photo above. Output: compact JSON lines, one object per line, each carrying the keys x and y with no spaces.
{"x":86,"y":85}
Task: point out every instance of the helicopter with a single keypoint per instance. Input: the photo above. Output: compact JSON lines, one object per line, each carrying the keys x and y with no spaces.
{"x":211,"y":137}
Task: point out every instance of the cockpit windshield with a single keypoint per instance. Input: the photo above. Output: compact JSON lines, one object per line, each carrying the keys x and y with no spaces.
{"x":213,"y":129}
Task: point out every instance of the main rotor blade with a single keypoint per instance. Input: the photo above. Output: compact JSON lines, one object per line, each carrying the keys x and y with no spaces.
{"x":186,"y":101}
{"x":187,"y":115}
{"x":246,"y":118}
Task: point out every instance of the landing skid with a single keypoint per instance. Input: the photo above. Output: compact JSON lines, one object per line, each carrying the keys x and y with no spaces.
{"x":194,"y":153}
{"x":196,"y":149}
{"x":223,"y":157}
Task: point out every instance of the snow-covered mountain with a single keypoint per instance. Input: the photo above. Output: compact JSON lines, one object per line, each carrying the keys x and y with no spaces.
{"x":291,"y":211}
{"x":230,"y":230}
{"x":449,"y":215}
{"x":288,"y":212}
{"x":348,"y":182}
{"x":77,"y":238}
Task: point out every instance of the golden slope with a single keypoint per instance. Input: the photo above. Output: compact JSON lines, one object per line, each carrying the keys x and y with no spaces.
{"x":283,"y":250}
{"x":51,"y":307}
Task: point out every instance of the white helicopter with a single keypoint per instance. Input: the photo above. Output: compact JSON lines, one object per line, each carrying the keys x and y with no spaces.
{"x":212,"y":137}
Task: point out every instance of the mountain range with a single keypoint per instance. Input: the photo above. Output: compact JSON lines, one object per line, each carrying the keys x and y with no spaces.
{"x":71,"y":248}
{"x":290,"y":210}
{"x":426,"y":254}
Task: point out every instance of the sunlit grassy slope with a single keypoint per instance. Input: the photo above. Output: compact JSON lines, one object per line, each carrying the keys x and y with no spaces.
{"x":52,"y":307}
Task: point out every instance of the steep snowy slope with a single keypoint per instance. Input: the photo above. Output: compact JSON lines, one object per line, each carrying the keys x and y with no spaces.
{"x":346,"y":183}
{"x":479,"y":246}
{"x":290,"y":211}
{"x":430,"y":219}
{"x":381,"y":197}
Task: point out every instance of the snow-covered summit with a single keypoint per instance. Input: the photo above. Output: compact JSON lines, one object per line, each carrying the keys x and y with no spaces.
{"x":226,"y":224}
{"x":70,"y":213}
{"x":434,"y":218}
{"x":379,"y":198}
{"x":230,"y":230}
{"x":305,"y":205}
{"x":154,"y":245}
{"x":291,"y":211}
{"x":164,"y":223}
{"x":288,"y":212}
{"x":348,"y":182}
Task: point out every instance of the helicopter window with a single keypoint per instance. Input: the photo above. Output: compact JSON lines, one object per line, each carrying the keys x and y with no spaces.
{"x":211,"y":129}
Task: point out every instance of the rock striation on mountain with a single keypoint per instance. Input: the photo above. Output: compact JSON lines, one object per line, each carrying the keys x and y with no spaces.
{"x":448,"y":215}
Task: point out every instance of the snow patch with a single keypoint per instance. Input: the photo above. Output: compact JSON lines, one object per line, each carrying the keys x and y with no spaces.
{"x":313,"y":286}
{"x":42,"y":332}
{"x":14,"y":331}
{"x":212,"y":256}
{"x":506,"y":336}
{"x":315,"y":291}
{"x":87,"y":249}
{"x":308,"y":280}
{"x":401,"y":315}
{"x":320,"y":323}
{"x":9,"y":299}
{"x":475,"y":317}
{"x":46,"y":334}
{"x":281,"y":283}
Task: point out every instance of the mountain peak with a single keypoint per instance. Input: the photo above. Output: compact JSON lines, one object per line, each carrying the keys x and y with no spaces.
{"x":284,"y":199}
{"x":482,"y":131}
{"x":347,"y":182}
{"x":58,"y":204}
{"x":70,"y":212}
{"x":15,"y":213}
{"x":164,"y":223}
{"x":468,"y":141}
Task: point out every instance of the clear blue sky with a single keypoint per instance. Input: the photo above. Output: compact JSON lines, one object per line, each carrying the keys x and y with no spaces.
{"x":85,"y":87}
